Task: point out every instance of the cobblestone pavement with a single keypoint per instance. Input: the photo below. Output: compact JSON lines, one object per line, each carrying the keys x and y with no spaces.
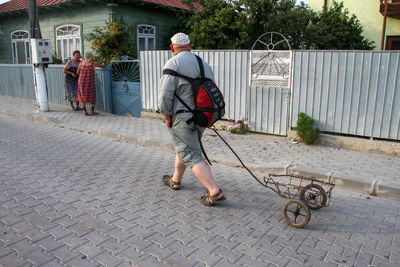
{"x":351,"y":169}
{"x":75,"y":199}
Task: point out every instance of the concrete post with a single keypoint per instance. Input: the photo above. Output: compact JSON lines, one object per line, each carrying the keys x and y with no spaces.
{"x":38,"y":69}
{"x":41,"y":88}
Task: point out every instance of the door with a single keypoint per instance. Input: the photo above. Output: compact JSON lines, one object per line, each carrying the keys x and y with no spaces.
{"x":126,"y":87}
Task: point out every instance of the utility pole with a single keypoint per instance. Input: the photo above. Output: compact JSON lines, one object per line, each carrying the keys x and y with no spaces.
{"x":33,"y":20}
{"x":39,"y":76}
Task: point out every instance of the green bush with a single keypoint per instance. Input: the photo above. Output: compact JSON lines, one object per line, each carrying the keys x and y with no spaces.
{"x":305,"y":130}
{"x":112,"y":41}
{"x":240,"y":126}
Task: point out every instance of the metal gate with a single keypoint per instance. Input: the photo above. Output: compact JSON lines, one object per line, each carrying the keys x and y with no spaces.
{"x":126,"y":87}
{"x":270,"y":83}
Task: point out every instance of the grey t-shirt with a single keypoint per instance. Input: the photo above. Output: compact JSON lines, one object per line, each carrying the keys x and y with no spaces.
{"x":184,"y":63}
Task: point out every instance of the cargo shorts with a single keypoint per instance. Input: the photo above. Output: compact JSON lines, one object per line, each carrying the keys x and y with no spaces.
{"x":185,"y":138}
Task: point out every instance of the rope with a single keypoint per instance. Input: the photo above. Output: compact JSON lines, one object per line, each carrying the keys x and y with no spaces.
{"x":244,"y":166}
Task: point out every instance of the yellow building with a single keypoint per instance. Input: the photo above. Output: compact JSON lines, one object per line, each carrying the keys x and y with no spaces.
{"x":371,"y":14}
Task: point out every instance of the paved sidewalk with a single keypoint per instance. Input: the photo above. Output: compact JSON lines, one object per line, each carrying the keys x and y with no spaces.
{"x":73,"y":199}
{"x":267,"y":154}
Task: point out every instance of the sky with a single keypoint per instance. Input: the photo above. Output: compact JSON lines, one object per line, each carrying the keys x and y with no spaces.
{"x":298,"y":1}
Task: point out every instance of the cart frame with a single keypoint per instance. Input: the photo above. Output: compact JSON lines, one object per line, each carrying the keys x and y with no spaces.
{"x":304,"y":193}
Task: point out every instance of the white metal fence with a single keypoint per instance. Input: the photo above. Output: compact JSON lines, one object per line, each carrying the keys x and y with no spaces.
{"x":346,"y":92}
{"x":17,"y":81}
{"x":349,"y":92}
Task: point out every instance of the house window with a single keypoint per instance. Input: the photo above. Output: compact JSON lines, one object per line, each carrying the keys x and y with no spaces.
{"x":393,"y":43}
{"x":68,"y":39}
{"x":146,"y":38}
{"x":20,"y":47}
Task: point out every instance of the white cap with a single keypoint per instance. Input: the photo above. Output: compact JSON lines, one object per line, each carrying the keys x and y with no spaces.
{"x":180,"y":39}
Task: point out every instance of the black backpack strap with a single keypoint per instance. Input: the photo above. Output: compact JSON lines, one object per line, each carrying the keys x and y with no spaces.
{"x":187,"y":78}
{"x":183,"y":102}
{"x":189,"y":121}
{"x":174,"y":73}
{"x":201,"y":66}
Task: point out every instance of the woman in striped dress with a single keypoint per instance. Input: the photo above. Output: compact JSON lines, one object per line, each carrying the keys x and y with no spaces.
{"x":86,"y":85}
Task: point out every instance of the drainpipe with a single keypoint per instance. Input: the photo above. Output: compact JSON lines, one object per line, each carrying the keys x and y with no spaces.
{"x":384,"y":26}
{"x":324,"y":7}
{"x":112,"y":14}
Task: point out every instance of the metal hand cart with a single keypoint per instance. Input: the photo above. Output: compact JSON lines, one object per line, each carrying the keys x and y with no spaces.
{"x":304,"y":193}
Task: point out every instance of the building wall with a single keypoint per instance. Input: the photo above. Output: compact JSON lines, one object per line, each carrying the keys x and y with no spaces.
{"x":7,"y":26}
{"x":88,"y":17}
{"x":49,"y":20}
{"x":367,"y":12}
{"x":163,"y":19}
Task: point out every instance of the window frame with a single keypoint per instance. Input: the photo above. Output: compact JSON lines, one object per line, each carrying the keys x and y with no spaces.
{"x":14,"y":46}
{"x":146,"y":36}
{"x":66,"y":42}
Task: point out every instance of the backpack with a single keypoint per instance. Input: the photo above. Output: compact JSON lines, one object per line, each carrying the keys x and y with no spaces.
{"x":208,"y":99}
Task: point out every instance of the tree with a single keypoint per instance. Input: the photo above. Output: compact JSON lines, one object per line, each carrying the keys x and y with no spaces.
{"x":336,"y":29}
{"x":236,"y":24}
{"x":216,"y":25}
{"x":112,"y":41}
{"x":181,"y":18}
{"x":281,"y":16}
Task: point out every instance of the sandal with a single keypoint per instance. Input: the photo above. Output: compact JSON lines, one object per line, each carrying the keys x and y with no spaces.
{"x":167,"y":180}
{"x":92,"y":112}
{"x":212,"y":200}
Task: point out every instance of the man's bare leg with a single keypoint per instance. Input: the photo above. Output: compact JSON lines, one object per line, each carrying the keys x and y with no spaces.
{"x":179,"y":171}
{"x":203,"y":172}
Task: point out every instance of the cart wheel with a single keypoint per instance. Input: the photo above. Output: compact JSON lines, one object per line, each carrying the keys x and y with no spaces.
{"x":314,"y":195}
{"x":296,"y":213}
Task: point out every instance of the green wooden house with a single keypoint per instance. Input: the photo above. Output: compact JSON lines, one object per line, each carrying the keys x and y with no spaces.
{"x":65,"y":23}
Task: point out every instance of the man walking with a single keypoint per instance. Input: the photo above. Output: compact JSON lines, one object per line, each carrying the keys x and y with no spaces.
{"x":185,"y":134}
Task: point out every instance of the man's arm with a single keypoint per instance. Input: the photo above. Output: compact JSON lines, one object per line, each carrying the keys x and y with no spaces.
{"x":166,"y":97}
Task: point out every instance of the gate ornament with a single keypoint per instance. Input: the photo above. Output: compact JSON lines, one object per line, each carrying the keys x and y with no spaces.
{"x":126,"y":97}
{"x":269,"y":67}
{"x":126,"y":70}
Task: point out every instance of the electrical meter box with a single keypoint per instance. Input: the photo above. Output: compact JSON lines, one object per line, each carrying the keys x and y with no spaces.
{"x":41,"y":51}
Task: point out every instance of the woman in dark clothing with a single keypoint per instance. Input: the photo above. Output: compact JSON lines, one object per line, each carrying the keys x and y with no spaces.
{"x":71,"y":80}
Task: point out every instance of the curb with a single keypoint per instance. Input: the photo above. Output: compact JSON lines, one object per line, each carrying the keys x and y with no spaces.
{"x":339,"y":181}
